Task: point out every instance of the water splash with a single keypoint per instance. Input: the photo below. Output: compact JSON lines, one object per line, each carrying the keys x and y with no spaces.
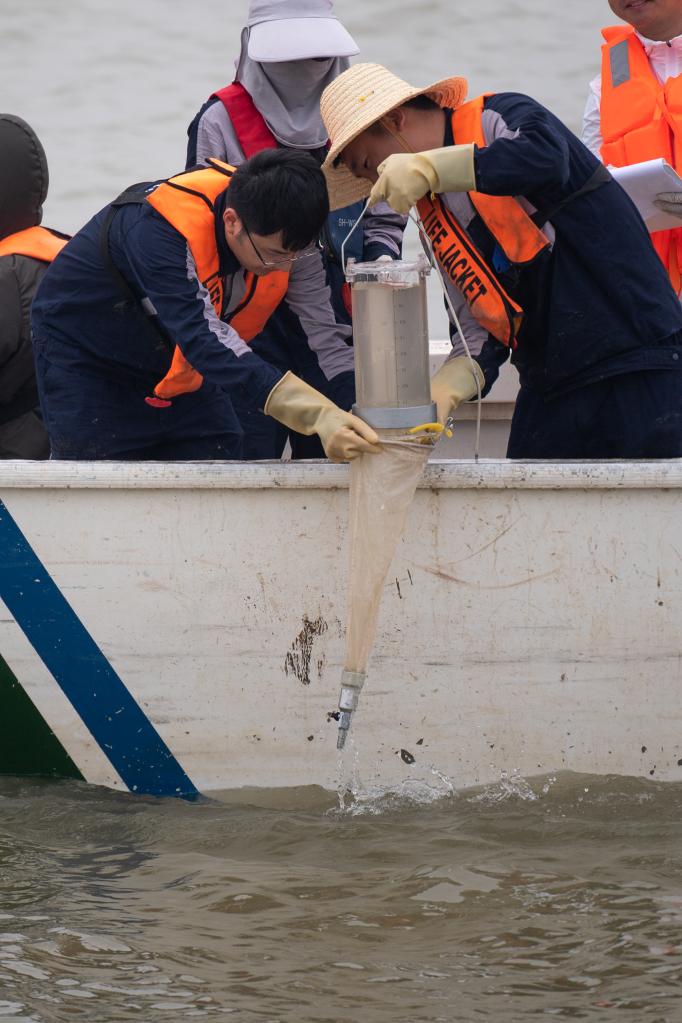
{"x":511,"y":786}
{"x":358,"y":796}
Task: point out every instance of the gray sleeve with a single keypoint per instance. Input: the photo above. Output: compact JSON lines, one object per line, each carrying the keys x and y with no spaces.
{"x":309,"y":298}
{"x":216,"y":137}
{"x":495,"y":127}
{"x":474,"y":334}
{"x":384,"y":230}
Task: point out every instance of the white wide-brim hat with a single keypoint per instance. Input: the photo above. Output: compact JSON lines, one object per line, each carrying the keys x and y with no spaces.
{"x":282,"y":30}
{"x":359,"y":98}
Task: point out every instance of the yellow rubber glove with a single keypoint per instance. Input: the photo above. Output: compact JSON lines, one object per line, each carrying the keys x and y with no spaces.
{"x":300,"y":407}
{"x":405,"y":177}
{"x":454,"y":383}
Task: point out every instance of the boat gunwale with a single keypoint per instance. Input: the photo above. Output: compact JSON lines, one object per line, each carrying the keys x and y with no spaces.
{"x":448,"y":474}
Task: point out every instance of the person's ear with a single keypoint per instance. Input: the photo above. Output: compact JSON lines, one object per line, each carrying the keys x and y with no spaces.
{"x":396,"y":118}
{"x":232,"y":222}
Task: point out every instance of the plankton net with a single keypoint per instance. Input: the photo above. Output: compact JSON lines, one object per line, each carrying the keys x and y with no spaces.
{"x":393,"y":395}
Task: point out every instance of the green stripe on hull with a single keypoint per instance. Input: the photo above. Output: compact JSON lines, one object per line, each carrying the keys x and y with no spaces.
{"x":27,"y":743}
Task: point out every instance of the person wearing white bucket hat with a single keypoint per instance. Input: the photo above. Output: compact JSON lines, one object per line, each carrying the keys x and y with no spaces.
{"x":290,"y":50}
{"x":542,"y":254}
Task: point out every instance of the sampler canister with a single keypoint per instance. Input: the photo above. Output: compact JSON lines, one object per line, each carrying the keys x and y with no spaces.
{"x":391,"y":340}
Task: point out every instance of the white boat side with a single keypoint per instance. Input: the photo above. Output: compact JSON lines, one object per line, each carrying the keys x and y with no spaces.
{"x":530,"y":622}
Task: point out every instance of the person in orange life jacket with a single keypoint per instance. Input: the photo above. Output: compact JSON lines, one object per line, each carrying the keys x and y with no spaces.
{"x":543,"y":255}
{"x":141,"y":325}
{"x":290,"y":50}
{"x":26,"y":250}
{"x":622,"y":124}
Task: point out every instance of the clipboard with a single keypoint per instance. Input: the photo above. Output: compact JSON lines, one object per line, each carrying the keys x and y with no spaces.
{"x":643,"y":182}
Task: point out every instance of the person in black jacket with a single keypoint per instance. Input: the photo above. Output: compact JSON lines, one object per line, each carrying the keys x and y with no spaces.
{"x":26,"y":249}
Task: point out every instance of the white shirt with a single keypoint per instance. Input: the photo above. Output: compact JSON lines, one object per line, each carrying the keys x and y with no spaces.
{"x":666,"y":62}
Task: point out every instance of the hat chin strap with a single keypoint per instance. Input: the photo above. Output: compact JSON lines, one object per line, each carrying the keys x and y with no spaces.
{"x":400,"y":138}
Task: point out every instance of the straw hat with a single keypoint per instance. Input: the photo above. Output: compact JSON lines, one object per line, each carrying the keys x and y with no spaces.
{"x":357,"y":99}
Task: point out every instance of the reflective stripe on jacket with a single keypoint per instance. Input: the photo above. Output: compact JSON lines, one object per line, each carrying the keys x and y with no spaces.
{"x":641,"y":119}
{"x":34,"y":242}
{"x":186,"y":201}
{"x":459,"y":259}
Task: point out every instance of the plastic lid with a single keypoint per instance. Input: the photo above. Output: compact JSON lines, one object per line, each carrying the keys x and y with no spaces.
{"x":384,"y":271}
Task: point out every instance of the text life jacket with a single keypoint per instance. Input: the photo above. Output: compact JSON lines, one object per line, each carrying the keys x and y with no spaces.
{"x":641,"y":119}
{"x":186,"y":201}
{"x":461,"y":262}
{"x":35,"y":242}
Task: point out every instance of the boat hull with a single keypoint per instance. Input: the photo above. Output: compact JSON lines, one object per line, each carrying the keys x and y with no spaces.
{"x":180,"y":628}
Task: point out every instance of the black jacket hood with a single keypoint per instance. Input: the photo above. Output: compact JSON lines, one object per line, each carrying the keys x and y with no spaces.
{"x":23,"y":176}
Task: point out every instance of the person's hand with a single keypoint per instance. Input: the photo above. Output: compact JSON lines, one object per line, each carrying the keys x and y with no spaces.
{"x":669,"y":202}
{"x":345,"y":436}
{"x":405,"y":177}
{"x":454,"y":383}
{"x":300,"y":407}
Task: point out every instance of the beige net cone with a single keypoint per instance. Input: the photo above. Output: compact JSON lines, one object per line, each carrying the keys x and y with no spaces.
{"x":381,"y":491}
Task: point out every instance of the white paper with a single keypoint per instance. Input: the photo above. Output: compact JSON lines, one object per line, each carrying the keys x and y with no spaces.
{"x":643,"y":182}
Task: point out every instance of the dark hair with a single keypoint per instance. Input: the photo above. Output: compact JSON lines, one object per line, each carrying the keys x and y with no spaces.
{"x":281,"y":190}
{"x":421,"y":103}
{"x":416,"y":103}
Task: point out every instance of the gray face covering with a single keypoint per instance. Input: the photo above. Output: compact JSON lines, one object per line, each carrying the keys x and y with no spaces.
{"x":287,"y":94}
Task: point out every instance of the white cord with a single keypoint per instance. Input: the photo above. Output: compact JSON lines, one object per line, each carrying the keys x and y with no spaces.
{"x":343,"y":243}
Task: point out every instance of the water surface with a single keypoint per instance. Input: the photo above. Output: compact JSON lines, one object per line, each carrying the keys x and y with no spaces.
{"x":556,"y":898}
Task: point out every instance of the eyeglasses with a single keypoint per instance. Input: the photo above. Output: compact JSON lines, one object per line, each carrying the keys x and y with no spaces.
{"x":312,"y":250}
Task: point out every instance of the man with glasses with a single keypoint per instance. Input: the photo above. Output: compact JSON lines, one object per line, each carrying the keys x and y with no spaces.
{"x":141,"y":325}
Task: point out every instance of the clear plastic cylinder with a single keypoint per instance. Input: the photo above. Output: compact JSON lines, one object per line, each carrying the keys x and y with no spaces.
{"x":391,"y":339}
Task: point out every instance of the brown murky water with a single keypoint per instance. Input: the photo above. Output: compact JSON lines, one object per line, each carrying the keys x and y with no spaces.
{"x":556,"y":898}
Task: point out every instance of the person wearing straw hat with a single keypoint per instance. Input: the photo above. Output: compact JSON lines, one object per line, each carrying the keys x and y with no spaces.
{"x":290,"y":50}
{"x":543,"y":257}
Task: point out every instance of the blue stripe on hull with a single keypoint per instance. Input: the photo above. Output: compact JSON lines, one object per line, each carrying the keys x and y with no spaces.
{"x":115,"y":720}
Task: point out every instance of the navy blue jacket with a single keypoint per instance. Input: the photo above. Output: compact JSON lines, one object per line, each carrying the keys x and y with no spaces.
{"x":81,"y":308}
{"x":599,"y":301}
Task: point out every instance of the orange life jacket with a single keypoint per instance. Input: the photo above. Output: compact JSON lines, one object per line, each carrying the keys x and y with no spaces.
{"x":36,"y":242}
{"x":186,"y":201}
{"x":641,"y":119}
{"x":516,"y":234}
